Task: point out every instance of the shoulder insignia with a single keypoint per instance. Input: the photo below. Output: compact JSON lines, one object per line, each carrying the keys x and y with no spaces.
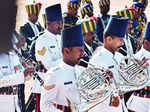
{"x":42,"y":52}
{"x":49,"y":87}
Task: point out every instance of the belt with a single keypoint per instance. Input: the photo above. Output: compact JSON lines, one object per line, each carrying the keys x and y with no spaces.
{"x":142,"y":95}
{"x":63,"y":108}
{"x":11,"y":90}
{"x":145,"y":92}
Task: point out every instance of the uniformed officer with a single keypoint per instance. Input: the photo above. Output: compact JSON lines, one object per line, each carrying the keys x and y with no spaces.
{"x":47,"y":51}
{"x":48,"y":45}
{"x":70,"y":17}
{"x":32,"y":27}
{"x":130,"y":13}
{"x":63,"y":95}
{"x":133,"y":31}
{"x":103,"y":18}
{"x":108,"y":58}
{"x":88,"y":30}
{"x":139,"y":101}
{"x":12,"y":72}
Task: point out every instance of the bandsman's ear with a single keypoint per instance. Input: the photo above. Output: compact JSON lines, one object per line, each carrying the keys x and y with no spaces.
{"x":109,"y":38}
{"x":146,"y":42}
{"x":66,"y":51}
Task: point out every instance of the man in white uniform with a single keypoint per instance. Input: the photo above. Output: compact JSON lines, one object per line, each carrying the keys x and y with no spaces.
{"x":48,"y":45}
{"x":140,"y":100}
{"x":108,"y":58}
{"x":47,"y":51}
{"x":63,"y":94}
{"x":12,"y":73}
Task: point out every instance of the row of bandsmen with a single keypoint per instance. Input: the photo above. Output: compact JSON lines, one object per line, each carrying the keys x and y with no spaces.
{"x":50,"y":52}
{"x":63,"y":95}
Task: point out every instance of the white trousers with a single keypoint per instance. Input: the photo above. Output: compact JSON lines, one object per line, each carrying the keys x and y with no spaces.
{"x":8,"y":103}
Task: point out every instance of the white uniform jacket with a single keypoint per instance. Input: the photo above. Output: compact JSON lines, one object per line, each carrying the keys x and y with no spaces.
{"x":11,"y":74}
{"x":106,"y":59}
{"x":62,"y":80}
{"x":48,"y":49}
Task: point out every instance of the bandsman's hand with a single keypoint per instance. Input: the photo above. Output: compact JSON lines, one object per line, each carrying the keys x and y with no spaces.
{"x":145,"y":63}
{"x":109,"y":75}
{"x":28,"y":71}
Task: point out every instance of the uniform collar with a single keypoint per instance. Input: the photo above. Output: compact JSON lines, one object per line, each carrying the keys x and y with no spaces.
{"x":49,"y":33}
{"x":31,"y":23}
{"x":66,"y":66}
{"x":107,"y":52}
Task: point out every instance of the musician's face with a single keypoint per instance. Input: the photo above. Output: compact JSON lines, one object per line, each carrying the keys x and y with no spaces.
{"x":73,"y":55}
{"x":129,"y":26}
{"x":105,"y":9}
{"x":116,"y":43}
{"x":88,"y":37}
{"x":33,"y":18}
{"x":146,"y":45}
{"x":72,"y":11}
{"x":55,"y":27}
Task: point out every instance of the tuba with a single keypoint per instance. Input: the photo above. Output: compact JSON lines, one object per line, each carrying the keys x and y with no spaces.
{"x":94,"y":87}
{"x":133,"y":75}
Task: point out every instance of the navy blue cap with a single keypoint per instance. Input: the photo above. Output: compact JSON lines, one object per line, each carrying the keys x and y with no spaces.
{"x":117,"y":26}
{"x":72,"y":37}
{"x":147,"y":31}
{"x":53,"y":13}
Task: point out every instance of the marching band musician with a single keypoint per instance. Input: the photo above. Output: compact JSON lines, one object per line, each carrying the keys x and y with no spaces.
{"x":141,"y":5}
{"x":139,"y":101}
{"x":131,"y":14}
{"x":88,"y":30}
{"x":31,"y":28}
{"x":109,"y":58}
{"x":63,"y":95}
{"x":48,"y":45}
{"x":103,"y":18}
{"x":137,"y":26}
{"x":47,"y":52}
{"x":12,"y":73}
{"x":18,"y":43}
{"x":70,"y":17}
